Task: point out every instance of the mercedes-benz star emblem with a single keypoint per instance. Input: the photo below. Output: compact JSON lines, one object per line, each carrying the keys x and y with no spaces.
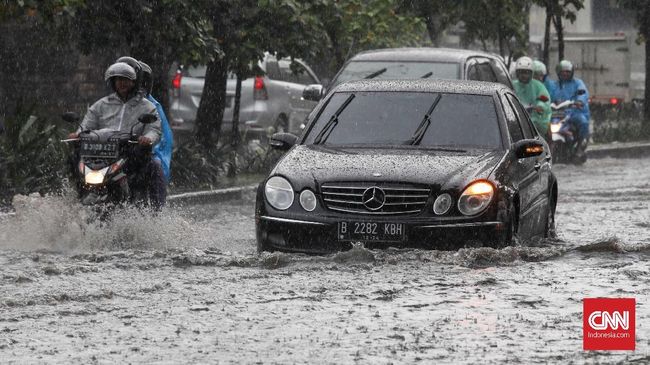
{"x":374,"y":198}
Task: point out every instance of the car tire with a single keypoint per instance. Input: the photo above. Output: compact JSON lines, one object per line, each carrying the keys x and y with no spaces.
{"x":262,"y":246}
{"x":549,"y":230}
{"x":281,"y":124}
{"x":511,"y":233}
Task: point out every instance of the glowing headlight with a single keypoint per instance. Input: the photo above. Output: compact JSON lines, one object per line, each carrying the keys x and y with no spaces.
{"x":95,"y":177}
{"x":442,"y":204}
{"x":555,"y":127}
{"x":475,"y":198}
{"x":278,"y":193}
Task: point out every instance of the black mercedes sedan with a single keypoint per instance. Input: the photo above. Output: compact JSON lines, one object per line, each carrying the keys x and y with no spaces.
{"x":409,"y":163}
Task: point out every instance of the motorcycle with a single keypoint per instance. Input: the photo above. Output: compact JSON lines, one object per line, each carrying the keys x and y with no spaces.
{"x":109,"y":167}
{"x":564,"y":135}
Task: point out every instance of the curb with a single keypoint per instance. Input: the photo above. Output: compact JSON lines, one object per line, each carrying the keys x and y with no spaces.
{"x":623,"y":150}
{"x":208,"y":196}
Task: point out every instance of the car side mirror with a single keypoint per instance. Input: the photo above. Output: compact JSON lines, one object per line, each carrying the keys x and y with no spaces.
{"x":71,"y":117}
{"x":283,"y":141}
{"x":528,"y":148}
{"x":147,"y":118}
{"x":312,"y":92}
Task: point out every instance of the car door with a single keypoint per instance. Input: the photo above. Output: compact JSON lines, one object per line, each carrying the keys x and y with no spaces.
{"x":535,"y":173}
{"x":294,"y":81}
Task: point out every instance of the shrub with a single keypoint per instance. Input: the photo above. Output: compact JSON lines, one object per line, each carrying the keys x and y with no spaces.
{"x":32,"y":159}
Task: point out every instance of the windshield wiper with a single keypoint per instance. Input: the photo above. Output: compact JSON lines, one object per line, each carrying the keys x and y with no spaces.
{"x":426,"y":75}
{"x":334,"y":120}
{"x":376,"y":73}
{"x":424,"y":125}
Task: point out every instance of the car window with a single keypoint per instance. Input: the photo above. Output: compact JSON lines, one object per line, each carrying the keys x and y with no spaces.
{"x":522,"y":116}
{"x":273,"y":70}
{"x":297,"y":74}
{"x":485,"y":72}
{"x":511,"y":118}
{"x":391,"y":118}
{"x":501,"y":73}
{"x":472,"y":71}
{"x":357,"y":70}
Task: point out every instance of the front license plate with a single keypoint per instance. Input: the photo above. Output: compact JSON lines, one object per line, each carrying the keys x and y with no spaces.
{"x":371,"y":231}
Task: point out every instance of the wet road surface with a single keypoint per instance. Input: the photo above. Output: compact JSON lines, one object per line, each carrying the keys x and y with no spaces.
{"x":188,"y":287}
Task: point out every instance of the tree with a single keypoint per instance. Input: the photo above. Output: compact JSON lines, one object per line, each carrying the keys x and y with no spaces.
{"x":556,"y":10}
{"x":438,"y":15}
{"x":502,"y":22}
{"x":156,"y":32}
{"x":642,"y":9}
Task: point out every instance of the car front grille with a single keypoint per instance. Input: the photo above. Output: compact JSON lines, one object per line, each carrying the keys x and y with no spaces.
{"x":349,"y":197}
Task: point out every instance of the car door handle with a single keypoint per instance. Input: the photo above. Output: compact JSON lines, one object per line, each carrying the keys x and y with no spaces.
{"x":538,"y":165}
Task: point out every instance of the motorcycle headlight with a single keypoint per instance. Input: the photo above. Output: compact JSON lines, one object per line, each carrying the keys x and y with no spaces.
{"x":95,"y":177}
{"x":475,"y":198}
{"x":279,"y":193}
{"x":556,"y":127}
{"x":308,"y":200}
{"x":442,"y":204}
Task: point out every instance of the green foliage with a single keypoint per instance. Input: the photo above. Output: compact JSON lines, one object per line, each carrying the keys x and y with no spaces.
{"x":621,"y":123}
{"x":502,"y":22}
{"x":32,"y":159}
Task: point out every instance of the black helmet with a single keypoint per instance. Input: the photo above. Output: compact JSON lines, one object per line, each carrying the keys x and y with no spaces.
{"x":147,"y":78}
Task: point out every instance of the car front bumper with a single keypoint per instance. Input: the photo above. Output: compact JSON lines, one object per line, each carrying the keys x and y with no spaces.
{"x":322,"y":236}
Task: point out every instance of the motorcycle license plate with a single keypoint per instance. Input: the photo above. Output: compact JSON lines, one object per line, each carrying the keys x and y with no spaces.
{"x":99,"y":149}
{"x":371,"y":231}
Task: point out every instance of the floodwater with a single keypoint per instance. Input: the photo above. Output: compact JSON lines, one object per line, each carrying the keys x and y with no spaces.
{"x":188,"y":287}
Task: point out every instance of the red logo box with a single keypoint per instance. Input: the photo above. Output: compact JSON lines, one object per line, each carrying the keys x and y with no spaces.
{"x":608,"y":323}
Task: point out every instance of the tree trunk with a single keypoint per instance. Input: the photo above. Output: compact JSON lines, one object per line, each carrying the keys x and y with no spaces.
{"x":433,"y":30}
{"x":559,"y":29}
{"x":646,"y":101}
{"x":213,"y":101}
{"x":547,"y":36}
{"x":234,"y":137}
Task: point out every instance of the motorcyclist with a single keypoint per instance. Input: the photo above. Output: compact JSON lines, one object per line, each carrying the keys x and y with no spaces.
{"x":540,"y":73}
{"x":163,"y":149}
{"x":533,"y":95}
{"x":120,"y":110}
{"x":572,"y":88}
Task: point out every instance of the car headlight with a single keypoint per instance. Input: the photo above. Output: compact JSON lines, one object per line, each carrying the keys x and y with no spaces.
{"x":442,"y":204}
{"x":279,"y":193}
{"x":556,"y":127}
{"x":308,"y":200}
{"x":475,"y":198}
{"x":94,"y":177}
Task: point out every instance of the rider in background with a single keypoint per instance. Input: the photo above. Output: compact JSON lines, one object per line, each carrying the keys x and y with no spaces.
{"x":533,"y":95}
{"x":540,"y":74}
{"x":163,"y":150}
{"x":568,"y":88}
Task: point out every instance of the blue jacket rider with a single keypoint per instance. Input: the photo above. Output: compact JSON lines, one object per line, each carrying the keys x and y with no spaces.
{"x":567,"y":89}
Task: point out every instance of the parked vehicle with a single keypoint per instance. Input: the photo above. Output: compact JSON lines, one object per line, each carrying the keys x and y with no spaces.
{"x":109,"y":166}
{"x":433,"y":163}
{"x":271,"y":100}
{"x":418,"y":63}
{"x":611,"y":65}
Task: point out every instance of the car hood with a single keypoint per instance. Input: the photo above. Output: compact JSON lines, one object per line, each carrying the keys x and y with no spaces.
{"x":305,"y":165}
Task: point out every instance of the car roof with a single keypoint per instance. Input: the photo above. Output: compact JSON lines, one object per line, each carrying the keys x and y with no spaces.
{"x":443,"y":86}
{"x":419,"y":54}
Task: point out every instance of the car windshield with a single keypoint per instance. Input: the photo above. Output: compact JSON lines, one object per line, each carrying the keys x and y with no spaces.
{"x":400,"y":118}
{"x":357,"y":70}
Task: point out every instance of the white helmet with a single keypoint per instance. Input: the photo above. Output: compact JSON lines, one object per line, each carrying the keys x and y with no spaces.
{"x":120,"y":69}
{"x":524,"y":64}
